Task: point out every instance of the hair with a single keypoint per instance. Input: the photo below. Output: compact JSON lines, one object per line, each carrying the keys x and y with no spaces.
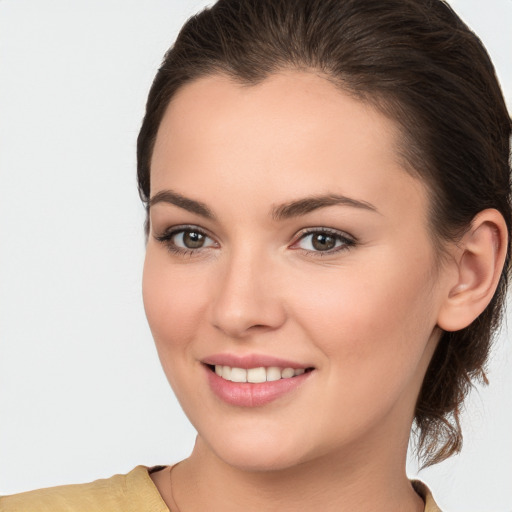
{"x":419,"y":64}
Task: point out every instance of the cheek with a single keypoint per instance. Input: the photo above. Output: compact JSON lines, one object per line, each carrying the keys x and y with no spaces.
{"x":373,"y":333}
{"x":375,"y":321}
{"x":172,"y":301}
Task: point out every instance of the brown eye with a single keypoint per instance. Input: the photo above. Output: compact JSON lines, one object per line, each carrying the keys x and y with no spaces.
{"x":186,"y":240}
{"x":323,"y":241}
{"x":192,"y":239}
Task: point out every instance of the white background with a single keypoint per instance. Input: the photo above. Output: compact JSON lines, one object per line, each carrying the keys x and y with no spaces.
{"x":82,"y":394}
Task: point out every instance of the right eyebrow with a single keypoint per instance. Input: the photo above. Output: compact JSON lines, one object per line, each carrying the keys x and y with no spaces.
{"x":191,"y":205}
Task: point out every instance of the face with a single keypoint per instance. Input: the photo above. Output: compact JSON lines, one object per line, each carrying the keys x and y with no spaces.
{"x":286,"y":239}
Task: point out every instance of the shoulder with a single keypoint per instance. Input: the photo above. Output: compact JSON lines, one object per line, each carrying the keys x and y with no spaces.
{"x":424,"y":492}
{"x":131,"y":492}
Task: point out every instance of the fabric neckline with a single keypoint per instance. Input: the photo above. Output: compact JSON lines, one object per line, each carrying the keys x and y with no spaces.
{"x":420,"y":487}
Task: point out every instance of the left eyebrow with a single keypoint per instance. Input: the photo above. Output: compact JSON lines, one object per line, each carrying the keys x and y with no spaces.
{"x":309,"y":204}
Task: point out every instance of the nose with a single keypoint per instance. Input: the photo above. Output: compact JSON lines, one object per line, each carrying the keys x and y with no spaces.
{"x":247,"y":298}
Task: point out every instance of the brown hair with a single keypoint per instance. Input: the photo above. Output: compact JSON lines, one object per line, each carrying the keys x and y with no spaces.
{"x":417,"y":62}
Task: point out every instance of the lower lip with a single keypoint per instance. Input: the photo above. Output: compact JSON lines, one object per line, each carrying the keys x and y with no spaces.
{"x":248,"y":394}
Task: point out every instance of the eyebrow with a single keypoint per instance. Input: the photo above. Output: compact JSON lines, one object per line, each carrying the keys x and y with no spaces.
{"x":191,"y":205}
{"x":281,"y":212}
{"x":309,"y":204}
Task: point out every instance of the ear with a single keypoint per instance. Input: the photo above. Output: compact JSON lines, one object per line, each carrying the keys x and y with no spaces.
{"x":478,"y":265}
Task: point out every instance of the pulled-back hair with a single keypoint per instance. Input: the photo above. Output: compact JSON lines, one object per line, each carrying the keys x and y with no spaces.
{"x":419,"y":64}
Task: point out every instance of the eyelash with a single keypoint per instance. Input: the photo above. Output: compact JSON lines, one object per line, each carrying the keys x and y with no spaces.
{"x":346,"y":240}
{"x":166,"y":239}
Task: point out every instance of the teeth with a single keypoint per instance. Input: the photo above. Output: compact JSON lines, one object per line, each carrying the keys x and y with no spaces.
{"x":273,"y":373}
{"x":238,"y":375}
{"x":226,"y":372}
{"x":256,"y":375}
{"x":287,"y":373}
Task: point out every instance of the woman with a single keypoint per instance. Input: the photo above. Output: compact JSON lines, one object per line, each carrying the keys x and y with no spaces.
{"x":328,"y":194}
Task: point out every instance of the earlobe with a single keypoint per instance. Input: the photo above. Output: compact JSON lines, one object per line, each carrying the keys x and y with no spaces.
{"x":479,"y":264}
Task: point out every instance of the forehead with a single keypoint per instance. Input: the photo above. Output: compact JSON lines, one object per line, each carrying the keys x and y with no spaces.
{"x":293,"y":134}
{"x":286,"y":105}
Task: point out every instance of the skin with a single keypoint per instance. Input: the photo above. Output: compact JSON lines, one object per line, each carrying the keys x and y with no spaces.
{"x":365,"y":317}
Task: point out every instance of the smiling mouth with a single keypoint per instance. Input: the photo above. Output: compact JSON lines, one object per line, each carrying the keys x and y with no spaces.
{"x":256,"y":375}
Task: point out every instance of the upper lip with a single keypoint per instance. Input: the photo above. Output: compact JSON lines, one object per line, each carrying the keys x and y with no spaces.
{"x":252,"y":361}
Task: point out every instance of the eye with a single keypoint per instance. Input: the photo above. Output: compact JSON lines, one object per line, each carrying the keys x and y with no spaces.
{"x":323,"y":240}
{"x":186,"y":240}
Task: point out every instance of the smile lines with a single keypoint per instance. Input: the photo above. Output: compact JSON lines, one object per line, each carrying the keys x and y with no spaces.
{"x":257,"y":375}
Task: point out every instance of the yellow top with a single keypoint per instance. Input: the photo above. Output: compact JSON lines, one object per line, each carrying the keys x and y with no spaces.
{"x":133,"y":492}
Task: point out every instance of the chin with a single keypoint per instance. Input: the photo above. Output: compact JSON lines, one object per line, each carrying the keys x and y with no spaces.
{"x":258,"y":452}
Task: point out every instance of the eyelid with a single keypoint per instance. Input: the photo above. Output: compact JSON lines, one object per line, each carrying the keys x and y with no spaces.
{"x":166,"y":239}
{"x":172,"y":230}
{"x":347,"y":240}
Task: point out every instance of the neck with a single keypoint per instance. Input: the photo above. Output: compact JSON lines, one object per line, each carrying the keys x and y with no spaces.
{"x":359,"y":480}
